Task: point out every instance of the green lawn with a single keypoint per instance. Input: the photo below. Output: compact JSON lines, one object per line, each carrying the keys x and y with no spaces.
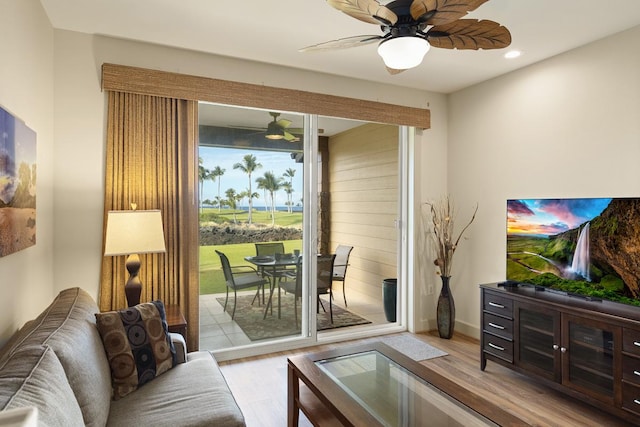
{"x":259,"y":216}
{"x":211,"y":277}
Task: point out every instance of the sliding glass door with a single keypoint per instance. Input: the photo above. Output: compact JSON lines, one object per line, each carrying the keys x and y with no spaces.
{"x":305,"y":210}
{"x":252,"y":184}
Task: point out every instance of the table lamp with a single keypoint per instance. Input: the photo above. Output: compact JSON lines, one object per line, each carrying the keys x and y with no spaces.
{"x":131,"y":233}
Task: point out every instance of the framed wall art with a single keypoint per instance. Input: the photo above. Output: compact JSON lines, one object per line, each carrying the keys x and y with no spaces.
{"x":17,"y":184}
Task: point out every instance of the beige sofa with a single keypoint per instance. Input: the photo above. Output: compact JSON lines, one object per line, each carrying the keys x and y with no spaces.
{"x":57,"y":363}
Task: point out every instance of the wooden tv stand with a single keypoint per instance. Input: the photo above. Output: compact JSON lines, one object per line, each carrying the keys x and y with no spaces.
{"x":585,"y":348}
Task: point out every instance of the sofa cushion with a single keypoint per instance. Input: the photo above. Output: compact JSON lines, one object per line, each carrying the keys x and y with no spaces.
{"x":137,"y":344}
{"x":16,"y":339}
{"x":68,"y":327}
{"x":194,"y":393}
{"x":33,"y":376}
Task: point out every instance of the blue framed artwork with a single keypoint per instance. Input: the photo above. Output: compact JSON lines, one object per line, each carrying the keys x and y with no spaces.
{"x":17,"y":185}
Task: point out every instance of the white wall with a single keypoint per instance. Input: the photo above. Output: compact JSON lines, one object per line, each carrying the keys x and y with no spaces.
{"x":565,"y":127}
{"x":26,"y":91}
{"x":430,"y":183}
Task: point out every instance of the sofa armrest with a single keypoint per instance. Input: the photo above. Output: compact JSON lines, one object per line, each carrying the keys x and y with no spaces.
{"x":181,"y":347}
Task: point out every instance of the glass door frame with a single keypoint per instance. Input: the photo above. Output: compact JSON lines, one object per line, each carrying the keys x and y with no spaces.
{"x":404,"y":223}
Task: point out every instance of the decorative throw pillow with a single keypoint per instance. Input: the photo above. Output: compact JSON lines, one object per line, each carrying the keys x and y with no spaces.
{"x":137,"y":344}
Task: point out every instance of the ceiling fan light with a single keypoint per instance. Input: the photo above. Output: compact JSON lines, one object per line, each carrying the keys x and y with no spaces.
{"x":402,"y":53}
{"x":274,"y":131}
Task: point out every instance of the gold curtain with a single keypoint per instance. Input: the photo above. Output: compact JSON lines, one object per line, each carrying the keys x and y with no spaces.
{"x":151,"y":160}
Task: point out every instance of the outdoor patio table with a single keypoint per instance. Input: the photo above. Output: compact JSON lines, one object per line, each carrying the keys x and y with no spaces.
{"x":271,"y":262}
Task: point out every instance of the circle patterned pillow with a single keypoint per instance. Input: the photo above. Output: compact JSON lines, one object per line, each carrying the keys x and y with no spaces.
{"x":137,"y":344}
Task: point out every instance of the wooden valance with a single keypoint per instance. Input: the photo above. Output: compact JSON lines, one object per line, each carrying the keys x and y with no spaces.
{"x":143,"y":81}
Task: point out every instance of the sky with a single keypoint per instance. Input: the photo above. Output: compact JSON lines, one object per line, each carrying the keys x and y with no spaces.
{"x":276,"y":162}
{"x":547,"y":217}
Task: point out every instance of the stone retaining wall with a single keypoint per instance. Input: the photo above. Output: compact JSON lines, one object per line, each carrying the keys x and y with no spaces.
{"x":230,"y":234}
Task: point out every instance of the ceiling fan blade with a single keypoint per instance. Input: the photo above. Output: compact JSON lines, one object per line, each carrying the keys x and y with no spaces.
{"x":290,"y":137}
{"x":369,"y":11}
{"x":284,"y":123}
{"x":344,"y":43}
{"x":246,"y":127}
{"x":469,"y":34}
{"x":300,"y":131}
{"x":439,"y":12}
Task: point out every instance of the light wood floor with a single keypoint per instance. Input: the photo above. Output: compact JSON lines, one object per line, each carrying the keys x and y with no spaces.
{"x":260,"y":387}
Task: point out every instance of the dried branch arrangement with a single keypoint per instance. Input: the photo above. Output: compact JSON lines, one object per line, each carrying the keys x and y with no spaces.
{"x":442,"y":233}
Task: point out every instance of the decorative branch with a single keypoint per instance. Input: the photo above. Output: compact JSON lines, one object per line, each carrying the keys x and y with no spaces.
{"x":442,"y":233}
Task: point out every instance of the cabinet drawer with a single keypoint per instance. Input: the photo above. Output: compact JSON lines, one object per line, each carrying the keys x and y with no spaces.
{"x":499,"y":347}
{"x":497,"y":325}
{"x":631,"y":398}
{"x":498,"y":304}
{"x":631,"y":370}
{"x":631,"y":341}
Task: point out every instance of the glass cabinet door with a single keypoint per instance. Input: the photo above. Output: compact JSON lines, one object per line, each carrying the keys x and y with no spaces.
{"x":538,"y":340}
{"x":588,"y":356}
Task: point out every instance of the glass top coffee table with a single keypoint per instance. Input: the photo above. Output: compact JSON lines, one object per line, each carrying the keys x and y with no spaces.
{"x":375,"y":385}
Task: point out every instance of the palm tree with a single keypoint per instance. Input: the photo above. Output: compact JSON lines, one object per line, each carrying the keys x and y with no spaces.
{"x":251,"y":196}
{"x":248,"y":166}
{"x":289,"y":173}
{"x":261,"y":186}
{"x":220,"y":202}
{"x":289,"y":190}
{"x":232,"y":198}
{"x":241,"y":195}
{"x":203,"y":174}
{"x":217,"y":173}
{"x":271,"y":184}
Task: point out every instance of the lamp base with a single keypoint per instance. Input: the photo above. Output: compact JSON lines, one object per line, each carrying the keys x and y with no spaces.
{"x":133,"y":288}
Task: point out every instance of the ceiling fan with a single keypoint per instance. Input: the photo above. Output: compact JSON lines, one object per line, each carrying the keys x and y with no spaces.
{"x":410,"y":27}
{"x":279,"y":129}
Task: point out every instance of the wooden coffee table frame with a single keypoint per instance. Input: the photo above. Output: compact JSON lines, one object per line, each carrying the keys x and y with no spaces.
{"x":324,"y":402}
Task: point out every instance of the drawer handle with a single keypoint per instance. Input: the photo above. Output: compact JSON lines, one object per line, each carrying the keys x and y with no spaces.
{"x":636,"y":343}
{"x":493,"y":304}
{"x":493,"y":325}
{"x":497,"y":347}
{"x":636,"y":401}
{"x":636,"y":373}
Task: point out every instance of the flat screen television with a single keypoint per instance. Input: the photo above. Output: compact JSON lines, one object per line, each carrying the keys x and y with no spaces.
{"x":588,"y":247}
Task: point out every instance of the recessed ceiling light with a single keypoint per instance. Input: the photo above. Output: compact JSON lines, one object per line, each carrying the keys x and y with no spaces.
{"x":512,"y":54}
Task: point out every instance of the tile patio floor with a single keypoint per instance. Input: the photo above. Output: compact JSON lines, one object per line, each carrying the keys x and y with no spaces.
{"x":218,"y":331}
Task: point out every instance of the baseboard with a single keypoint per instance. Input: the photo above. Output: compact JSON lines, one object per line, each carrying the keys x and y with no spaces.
{"x":463,"y":328}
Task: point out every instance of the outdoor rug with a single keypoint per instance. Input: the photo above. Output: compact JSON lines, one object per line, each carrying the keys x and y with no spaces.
{"x":412,"y":347}
{"x":249,"y":317}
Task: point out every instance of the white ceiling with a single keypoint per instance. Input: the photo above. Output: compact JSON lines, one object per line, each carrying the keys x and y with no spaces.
{"x":273,"y":31}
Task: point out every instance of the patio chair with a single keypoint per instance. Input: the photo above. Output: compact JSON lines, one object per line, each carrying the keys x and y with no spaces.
{"x":238,"y":278}
{"x":294,"y":286}
{"x":340,"y":266}
{"x":271,"y":248}
{"x":324,"y":282}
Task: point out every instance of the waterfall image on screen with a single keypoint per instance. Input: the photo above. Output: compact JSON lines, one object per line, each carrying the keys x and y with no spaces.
{"x":581,"y":246}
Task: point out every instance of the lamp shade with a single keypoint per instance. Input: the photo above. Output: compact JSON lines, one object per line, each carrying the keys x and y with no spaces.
{"x":402,"y":53}
{"x":134,"y":232}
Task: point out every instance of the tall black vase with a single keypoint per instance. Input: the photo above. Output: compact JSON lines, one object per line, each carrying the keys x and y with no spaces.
{"x":446,"y":310}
